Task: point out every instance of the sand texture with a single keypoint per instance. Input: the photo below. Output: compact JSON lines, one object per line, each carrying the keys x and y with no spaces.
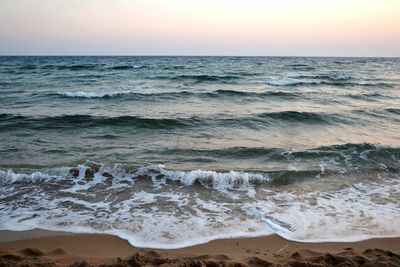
{"x":56,"y":249}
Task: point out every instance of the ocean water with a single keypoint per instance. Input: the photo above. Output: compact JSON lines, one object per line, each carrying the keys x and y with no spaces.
{"x":169,"y":152}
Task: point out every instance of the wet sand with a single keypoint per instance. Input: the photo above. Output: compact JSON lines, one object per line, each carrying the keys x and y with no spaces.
{"x":45,"y":248}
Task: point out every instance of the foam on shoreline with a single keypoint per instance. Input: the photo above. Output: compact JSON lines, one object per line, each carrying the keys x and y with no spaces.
{"x":155,"y":207}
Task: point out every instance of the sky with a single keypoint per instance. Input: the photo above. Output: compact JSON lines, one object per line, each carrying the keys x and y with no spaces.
{"x":200,"y":27}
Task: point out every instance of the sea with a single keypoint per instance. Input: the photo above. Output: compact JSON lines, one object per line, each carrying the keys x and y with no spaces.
{"x":170,"y":152}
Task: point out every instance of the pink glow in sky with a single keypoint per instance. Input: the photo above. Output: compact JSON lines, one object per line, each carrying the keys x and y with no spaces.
{"x":206,"y":27}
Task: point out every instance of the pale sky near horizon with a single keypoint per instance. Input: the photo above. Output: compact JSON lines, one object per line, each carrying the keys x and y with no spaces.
{"x":202,"y":27}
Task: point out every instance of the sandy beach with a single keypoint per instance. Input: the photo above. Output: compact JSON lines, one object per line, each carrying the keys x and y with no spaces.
{"x":44,"y":248}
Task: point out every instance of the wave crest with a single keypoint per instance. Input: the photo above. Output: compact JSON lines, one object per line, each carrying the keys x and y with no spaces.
{"x":81,"y":94}
{"x":213,"y":179}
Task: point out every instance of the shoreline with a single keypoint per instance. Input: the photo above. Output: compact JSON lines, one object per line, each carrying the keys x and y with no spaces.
{"x":63,"y":249}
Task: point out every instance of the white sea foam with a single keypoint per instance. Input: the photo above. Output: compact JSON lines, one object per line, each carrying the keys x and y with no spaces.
{"x":98,"y":94}
{"x":9,"y":176}
{"x":160,"y":208}
{"x":350,"y":214}
{"x":116,"y":93}
{"x":216,"y":180}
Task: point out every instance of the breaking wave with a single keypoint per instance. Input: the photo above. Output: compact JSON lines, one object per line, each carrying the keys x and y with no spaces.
{"x":178,"y":94}
{"x":132,"y":203}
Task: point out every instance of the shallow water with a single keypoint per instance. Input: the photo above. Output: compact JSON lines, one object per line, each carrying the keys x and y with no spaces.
{"x":201,"y":148}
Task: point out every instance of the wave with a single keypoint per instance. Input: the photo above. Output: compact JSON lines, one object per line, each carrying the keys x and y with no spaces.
{"x":338,"y":83}
{"x":190,"y":218}
{"x":205,"y":77}
{"x":178,"y":67}
{"x":302,"y":67}
{"x":72,"y":67}
{"x":333,"y":77}
{"x":131,"y":95}
{"x":304,"y":117}
{"x":216,"y":180}
{"x":281,"y":94}
{"x":9,"y":176}
{"x":125,"y":67}
{"x":243,"y":73}
{"x":78,"y":67}
{"x":368,"y":96}
{"x":357,"y":157}
{"x":297,"y":65}
{"x":98,"y":94}
{"x":275,"y":153}
{"x":238,"y":180}
{"x":349,"y":156}
{"x":378,"y":114}
{"x":393,"y":110}
{"x":225,"y":94}
{"x":126,"y":94}
{"x":88,"y":76}
{"x":10,"y":117}
{"x":122,"y":67}
{"x":157,"y":174}
{"x":66,"y":121}
{"x":202,"y":77}
{"x":197,"y":206}
{"x":11,"y":122}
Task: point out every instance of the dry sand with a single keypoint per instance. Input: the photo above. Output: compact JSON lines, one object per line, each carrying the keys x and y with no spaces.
{"x":43,"y":248}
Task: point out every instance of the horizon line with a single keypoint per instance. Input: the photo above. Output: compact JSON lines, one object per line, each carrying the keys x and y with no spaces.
{"x":172,"y":55}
